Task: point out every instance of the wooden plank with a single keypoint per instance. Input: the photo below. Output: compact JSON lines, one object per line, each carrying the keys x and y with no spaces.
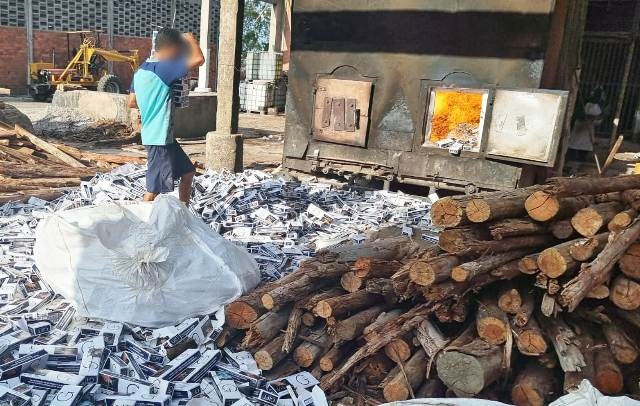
{"x":45,"y":146}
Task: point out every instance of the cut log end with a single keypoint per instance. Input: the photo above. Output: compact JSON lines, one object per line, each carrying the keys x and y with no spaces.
{"x":587,"y":222}
{"x":532,"y":343}
{"x":528,"y":265}
{"x":625,"y":293}
{"x":552,"y":263}
{"x":447,"y":213}
{"x":542,"y":206}
{"x":240,"y":315}
{"x":264,"y":360}
{"x":478,"y":211}
{"x":459,"y":274}
{"x":351,"y":282}
{"x":323,"y":309}
{"x":421,"y":274}
{"x":267,"y":302}
{"x":492,"y":329}
{"x":510,"y":301}
{"x":398,"y":350}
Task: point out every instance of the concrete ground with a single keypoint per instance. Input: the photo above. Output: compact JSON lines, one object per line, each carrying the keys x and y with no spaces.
{"x":263,"y":136}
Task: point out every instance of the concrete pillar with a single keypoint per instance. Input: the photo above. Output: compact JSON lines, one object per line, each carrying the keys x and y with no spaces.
{"x":205,"y":21}
{"x":110,"y":32}
{"x":276,"y":24}
{"x":28,"y":12}
{"x":224,"y":146}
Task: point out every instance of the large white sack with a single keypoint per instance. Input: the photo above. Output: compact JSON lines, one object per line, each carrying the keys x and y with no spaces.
{"x":147,"y":264}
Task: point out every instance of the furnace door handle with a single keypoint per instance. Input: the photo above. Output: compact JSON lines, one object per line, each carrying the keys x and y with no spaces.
{"x":356,"y":118}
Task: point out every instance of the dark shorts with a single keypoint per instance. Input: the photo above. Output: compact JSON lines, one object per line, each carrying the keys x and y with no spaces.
{"x":165,"y":165}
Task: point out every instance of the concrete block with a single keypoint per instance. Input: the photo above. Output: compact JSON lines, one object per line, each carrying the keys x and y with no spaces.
{"x":190,"y":122}
{"x":95,"y":105}
{"x":199,"y":118}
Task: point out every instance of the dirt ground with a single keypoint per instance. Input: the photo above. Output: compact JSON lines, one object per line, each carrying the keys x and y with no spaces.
{"x":263,"y":136}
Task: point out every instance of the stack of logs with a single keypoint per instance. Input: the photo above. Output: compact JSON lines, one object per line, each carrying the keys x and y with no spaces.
{"x":31,"y":166}
{"x":527,"y":293}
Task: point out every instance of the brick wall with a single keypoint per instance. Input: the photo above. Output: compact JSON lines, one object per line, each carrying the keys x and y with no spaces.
{"x":13,"y":63}
{"x":13,"y":48}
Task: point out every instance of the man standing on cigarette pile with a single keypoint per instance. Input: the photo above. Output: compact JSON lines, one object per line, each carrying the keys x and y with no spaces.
{"x":175,"y":55}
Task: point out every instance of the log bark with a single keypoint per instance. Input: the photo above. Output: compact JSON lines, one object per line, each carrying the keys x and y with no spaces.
{"x":523,"y":315}
{"x":454,"y":240}
{"x":382,"y":319}
{"x":630,"y":262}
{"x":471,"y":368}
{"x":332,"y":358}
{"x":549,"y":305}
{"x":267,"y":327}
{"x":608,"y":376}
{"x":405,"y":323}
{"x":403,"y":384}
{"x":482,"y":209}
{"x":382,"y":287}
{"x":394,"y":248}
{"x":468,"y":246}
{"x":309,"y":278}
{"x":590,"y":185}
{"x":492,"y":323}
{"x":470,"y":270}
{"x":562,"y":229}
{"x":625,"y":293}
{"x":375,"y":268}
{"x":586,"y":248}
{"x":20,"y":171}
{"x":293,"y":326}
{"x":529,"y":264}
{"x":534,"y":386}
{"x":13,"y":185}
{"x":631,"y":198}
{"x":308,"y":352}
{"x":44,"y":194}
{"x":622,"y":220}
{"x":530,"y":339}
{"x":271,"y":354}
{"x":341,"y":305}
{"x":543,"y":206}
{"x":564,"y":342}
{"x":598,"y":271}
{"x":620,"y":344}
{"x":573,"y":379}
{"x":557,"y":260}
{"x":515,"y":228}
{"x":352,"y":327}
{"x":430,"y":338}
{"x":588,"y":221}
{"x":426,"y":273}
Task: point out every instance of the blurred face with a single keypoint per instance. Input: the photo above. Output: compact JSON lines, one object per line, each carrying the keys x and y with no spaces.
{"x":168,"y":51}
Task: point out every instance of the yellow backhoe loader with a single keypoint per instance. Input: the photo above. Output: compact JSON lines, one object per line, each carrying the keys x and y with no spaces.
{"x":87,"y":68}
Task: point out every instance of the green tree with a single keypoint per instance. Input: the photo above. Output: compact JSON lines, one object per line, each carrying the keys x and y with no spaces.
{"x":256,"y":26}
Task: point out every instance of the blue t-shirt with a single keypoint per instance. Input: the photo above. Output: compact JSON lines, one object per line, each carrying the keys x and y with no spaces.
{"x":152,"y":86}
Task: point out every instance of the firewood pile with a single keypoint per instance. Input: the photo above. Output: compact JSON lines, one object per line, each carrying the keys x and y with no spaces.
{"x":31,"y":166}
{"x":527,"y":293}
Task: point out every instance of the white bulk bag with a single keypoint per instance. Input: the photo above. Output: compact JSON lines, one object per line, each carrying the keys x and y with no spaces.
{"x":151,"y":264}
